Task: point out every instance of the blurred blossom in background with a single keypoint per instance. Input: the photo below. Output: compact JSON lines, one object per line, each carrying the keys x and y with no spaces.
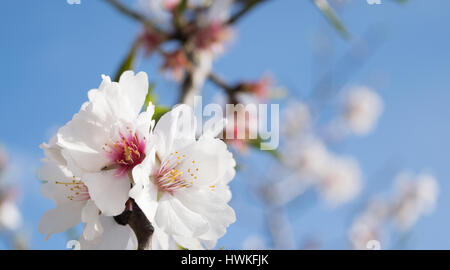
{"x":363,"y":92}
{"x":10,"y":217}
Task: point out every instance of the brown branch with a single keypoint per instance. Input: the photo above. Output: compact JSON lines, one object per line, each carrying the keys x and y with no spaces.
{"x":247,"y":8}
{"x":231,"y":90}
{"x":220,"y":83}
{"x":136,"y":219}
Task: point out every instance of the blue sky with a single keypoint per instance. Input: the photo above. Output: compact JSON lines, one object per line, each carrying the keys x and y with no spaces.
{"x":52,"y":53}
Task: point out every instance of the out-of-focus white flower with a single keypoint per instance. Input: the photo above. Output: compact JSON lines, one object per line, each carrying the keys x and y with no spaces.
{"x":107,"y":138}
{"x":367,"y":226}
{"x":308,"y":156}
{"x":362,"y":108}
{"x":415,"y":196}
{"x":340,"y":180}
{"x":10,"y":217}
{"x":297,"y":118}
{"x":73,"y":203}
{"x":212,"y":31}
{"x":182,"y":185}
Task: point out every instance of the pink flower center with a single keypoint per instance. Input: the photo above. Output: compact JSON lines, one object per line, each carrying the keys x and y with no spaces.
{"x":126,"y":153}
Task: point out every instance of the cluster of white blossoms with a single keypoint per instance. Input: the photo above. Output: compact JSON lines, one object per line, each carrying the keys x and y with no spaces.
{"x":112,"y":152}
{"x":337,"y":178}
{"x":414,"y":196}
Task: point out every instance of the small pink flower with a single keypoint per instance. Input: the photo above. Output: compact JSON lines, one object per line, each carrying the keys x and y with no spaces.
{"x":171,"y":4}
{"x":175,"y":62}
{"x":212,"y":36}
{"x":260,"y":88}
{"x":150,"y":40}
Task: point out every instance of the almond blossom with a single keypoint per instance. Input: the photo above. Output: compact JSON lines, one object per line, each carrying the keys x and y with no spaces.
{"x":182,"y":185}
{"x":362,"y":108}
{"x":71,"y":195}
{"x":107,"y":138}
{"x":10,"y":216}
{"x":212,"y":30}
{"x":416,"y":196}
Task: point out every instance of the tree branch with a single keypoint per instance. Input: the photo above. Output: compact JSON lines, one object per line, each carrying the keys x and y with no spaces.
{"x":247,"y":8}
{"x":136,"y":16}
{"x":220,"y":83}
{"x":136,"y":219}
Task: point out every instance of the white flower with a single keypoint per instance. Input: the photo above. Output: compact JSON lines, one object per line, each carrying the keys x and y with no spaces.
{"x":308,"y":156}
{"x":73,"y":203}
{"x":297,"y":118}
{"x":368,"y":225}
{"x":416,"y":196}
{"x":362,"y":108}
{"x":10,"y":217}
{"x":107,"y":138}
{"x":340,"y":181}
{"x":182,"y":185}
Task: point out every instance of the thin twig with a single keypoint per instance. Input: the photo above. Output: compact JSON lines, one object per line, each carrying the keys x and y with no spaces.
{"x":247,"y":8}
{"x":136,"y":16}
{"x":220,"y":83}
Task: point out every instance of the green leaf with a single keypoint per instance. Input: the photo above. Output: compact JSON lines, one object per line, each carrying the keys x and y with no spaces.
{"x":127,"y":63}
{"x":256,"y":143}
{"x":182,"y":6}
{"x":181,"y":247}
{"x":331,"y":16}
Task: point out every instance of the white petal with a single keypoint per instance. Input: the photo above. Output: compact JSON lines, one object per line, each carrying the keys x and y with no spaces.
{"x":108,"y":191}
{"x":174,"y":218}
{"x":82,"y":140}
{"x":175,"y":125}
{"x":211,"y":205}
{"x":61,"y":218}
{"x":90,"y":216}
{"x":114,"y":237}
{"x":134,"y":88}
{"x":144,"y":192}
{"x":187,"y":242}
{"x":206,"y":162}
